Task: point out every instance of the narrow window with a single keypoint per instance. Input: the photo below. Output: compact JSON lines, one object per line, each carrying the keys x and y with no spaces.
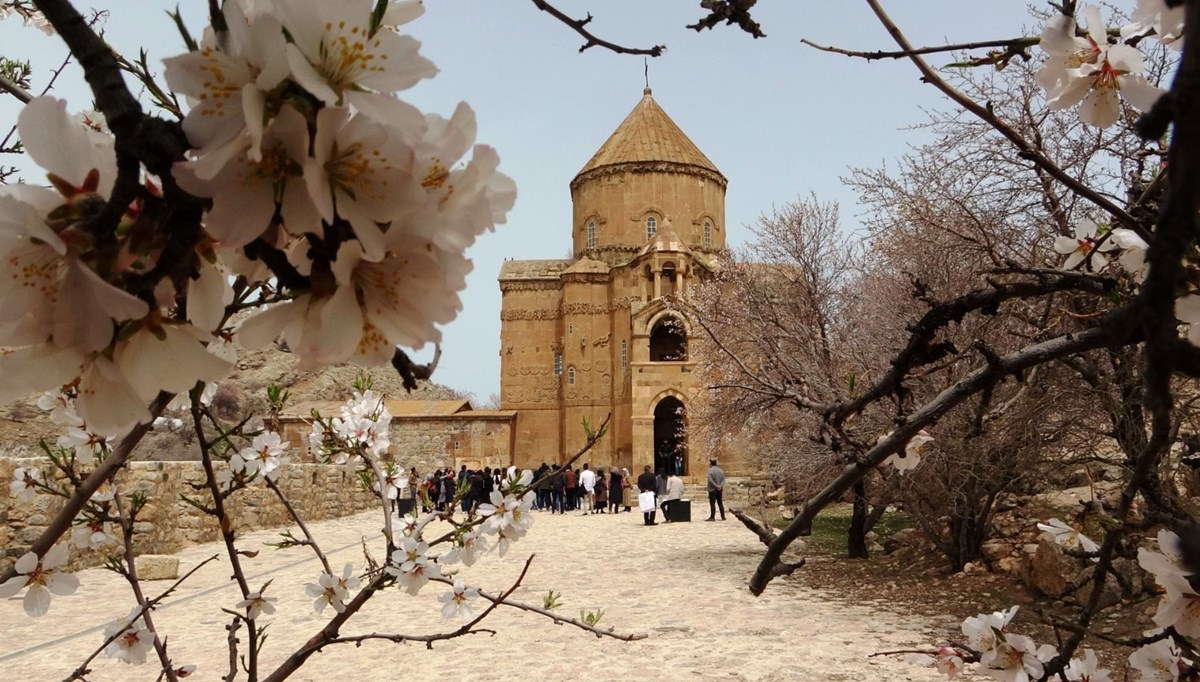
{"x":707,"y":233}
{"x":624,"y":354}
{"x":558,"y":364}
{"x":457,"y":445}
{"x":570,"y":376}
{"x":651,"y":227}
{"x":570,"y":328}
{"x":591,"y":235}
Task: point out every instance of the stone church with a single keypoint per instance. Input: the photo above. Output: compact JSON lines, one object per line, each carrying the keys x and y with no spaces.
{"x":593,"y":335}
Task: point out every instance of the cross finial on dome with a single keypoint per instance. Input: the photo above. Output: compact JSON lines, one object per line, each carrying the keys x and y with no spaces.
{"x":646,"y":65}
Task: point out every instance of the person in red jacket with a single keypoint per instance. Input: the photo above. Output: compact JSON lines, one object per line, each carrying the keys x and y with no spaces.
{"x":569,"y":502}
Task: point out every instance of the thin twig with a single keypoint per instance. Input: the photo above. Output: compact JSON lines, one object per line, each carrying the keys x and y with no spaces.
{"x":869,"y":55}
{"x":131,"y":577}
{"x":300,"y":522}
{"x":580,"y":27}
{"x":1024,"y":147}
{"x":83,"y":669}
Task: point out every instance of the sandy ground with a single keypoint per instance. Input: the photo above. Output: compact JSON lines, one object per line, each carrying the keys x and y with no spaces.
{"x":682,"y":584}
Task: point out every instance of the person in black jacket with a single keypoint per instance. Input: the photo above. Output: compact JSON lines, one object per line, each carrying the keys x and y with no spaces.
{"x":647,"y":484}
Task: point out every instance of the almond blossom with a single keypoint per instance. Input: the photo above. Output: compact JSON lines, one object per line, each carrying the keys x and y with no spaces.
{"x":133,"y":640}
{"x":61,"y":407}
{"x":393,"y":479}
{"x":226,"y":82}
{"x":1067,"y":536}
{"x":355,"y":166}
{"x":1016,"y":659}
{"x":949,"y":662}
{"x":161,"y":356}
{"x":454,"y":202}
{"x":87,"y":445}
{"x":910,"y":457}
{"x":331,"y":590}
{"x":1086,"y":669}
{"x":1160,"y":661}
{"x":57,"y":294}
{"x":458,"y":600}
{"x":412,"y":566}
{"x":263,"y":456}
{"x":467,"y":549}
{"x":985,"y":632}
{"x":1155,"y":17}
{"x":1179,"y":607}
{"x":1092,"y":71}
{"x":1167,"y":561}
{"x":505,"y":512}
{"x":43,"y":577}
{"x":1085,"y":243}
{"x":335,"y":55}
{"x":1133,"y":252}
{"x":376,"y":298}
{"x":256,"y":604}
{"x":25,"y":483}
{"x":248,"y":191}
{"x":92,"y":534}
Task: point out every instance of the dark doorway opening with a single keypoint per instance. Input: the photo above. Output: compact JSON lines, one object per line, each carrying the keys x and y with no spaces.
{"x":670,"y":437}
{"x":668,"y":341}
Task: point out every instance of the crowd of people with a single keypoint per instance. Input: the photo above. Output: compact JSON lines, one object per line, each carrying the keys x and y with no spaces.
{"x":564,"y":490}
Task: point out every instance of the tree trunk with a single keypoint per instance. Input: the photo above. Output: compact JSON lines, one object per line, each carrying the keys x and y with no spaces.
{"x":857,"y":540}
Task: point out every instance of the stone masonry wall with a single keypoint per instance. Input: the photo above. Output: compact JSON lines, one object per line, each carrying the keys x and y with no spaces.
{"x":167,"y":523}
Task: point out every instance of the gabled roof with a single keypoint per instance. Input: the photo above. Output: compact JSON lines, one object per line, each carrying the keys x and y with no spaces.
{"x":666,"y":239}
{"x":533,"y":269}
{"x":648,"y":135}
{"x":587,"y":266}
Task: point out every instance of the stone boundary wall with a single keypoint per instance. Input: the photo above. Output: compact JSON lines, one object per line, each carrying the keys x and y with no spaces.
{"x":167,"y":524}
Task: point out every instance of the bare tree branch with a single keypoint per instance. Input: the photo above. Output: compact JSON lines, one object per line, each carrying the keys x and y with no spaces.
{"x":580,"y":27}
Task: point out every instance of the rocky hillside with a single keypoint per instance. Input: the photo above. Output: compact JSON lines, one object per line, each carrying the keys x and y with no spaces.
{"x":22,"y":423}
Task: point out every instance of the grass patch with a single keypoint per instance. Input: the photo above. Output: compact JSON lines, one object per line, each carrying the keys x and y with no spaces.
{"x":830,"y":527}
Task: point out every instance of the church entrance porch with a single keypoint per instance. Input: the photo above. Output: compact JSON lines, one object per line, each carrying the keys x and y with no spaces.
{"x":670,"y":437}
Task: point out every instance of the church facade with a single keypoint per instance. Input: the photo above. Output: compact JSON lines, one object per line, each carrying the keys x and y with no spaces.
{"x":594,"y":335}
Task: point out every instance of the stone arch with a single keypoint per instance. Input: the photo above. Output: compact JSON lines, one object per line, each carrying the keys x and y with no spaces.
{"x":670,"y":433}
{"x":668,"y":338}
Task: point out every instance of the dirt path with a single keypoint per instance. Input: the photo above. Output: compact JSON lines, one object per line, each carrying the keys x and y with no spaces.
{"x":682,"y":584}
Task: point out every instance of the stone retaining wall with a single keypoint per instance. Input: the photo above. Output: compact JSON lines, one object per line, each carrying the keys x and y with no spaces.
{"x":167,"y":523}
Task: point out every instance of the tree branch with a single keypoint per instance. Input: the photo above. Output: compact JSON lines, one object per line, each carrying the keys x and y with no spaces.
{"x":1117,"y":329}
{"x":579,"y":26}
{"x":1024,"y":148}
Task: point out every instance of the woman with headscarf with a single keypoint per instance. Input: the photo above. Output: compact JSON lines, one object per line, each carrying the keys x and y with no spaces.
{"x":626,"y":482}
{"x":616,"y":490}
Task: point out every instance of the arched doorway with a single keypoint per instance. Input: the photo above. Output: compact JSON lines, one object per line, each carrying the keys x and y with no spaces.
{"x":670,"y":436}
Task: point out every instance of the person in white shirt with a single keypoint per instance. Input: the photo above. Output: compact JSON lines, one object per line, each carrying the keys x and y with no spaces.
{"x":674,"y":492}
{"x":587,"y":481}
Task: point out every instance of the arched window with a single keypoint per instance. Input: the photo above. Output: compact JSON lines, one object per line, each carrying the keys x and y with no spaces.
{"x":624,"y":354}
{"x":707,"y":233}
{"x":651,"y":227}
{"x":591,"y":235}
{"x":570,"y":376}
{"x":668,"y":279}
{"x":668,"y":341}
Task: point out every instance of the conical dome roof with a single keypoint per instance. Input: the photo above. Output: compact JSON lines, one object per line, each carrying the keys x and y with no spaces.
{"x":648,"y":135}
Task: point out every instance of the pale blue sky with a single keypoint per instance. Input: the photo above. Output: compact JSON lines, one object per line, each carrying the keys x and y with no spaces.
{"x":778,"y":118}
